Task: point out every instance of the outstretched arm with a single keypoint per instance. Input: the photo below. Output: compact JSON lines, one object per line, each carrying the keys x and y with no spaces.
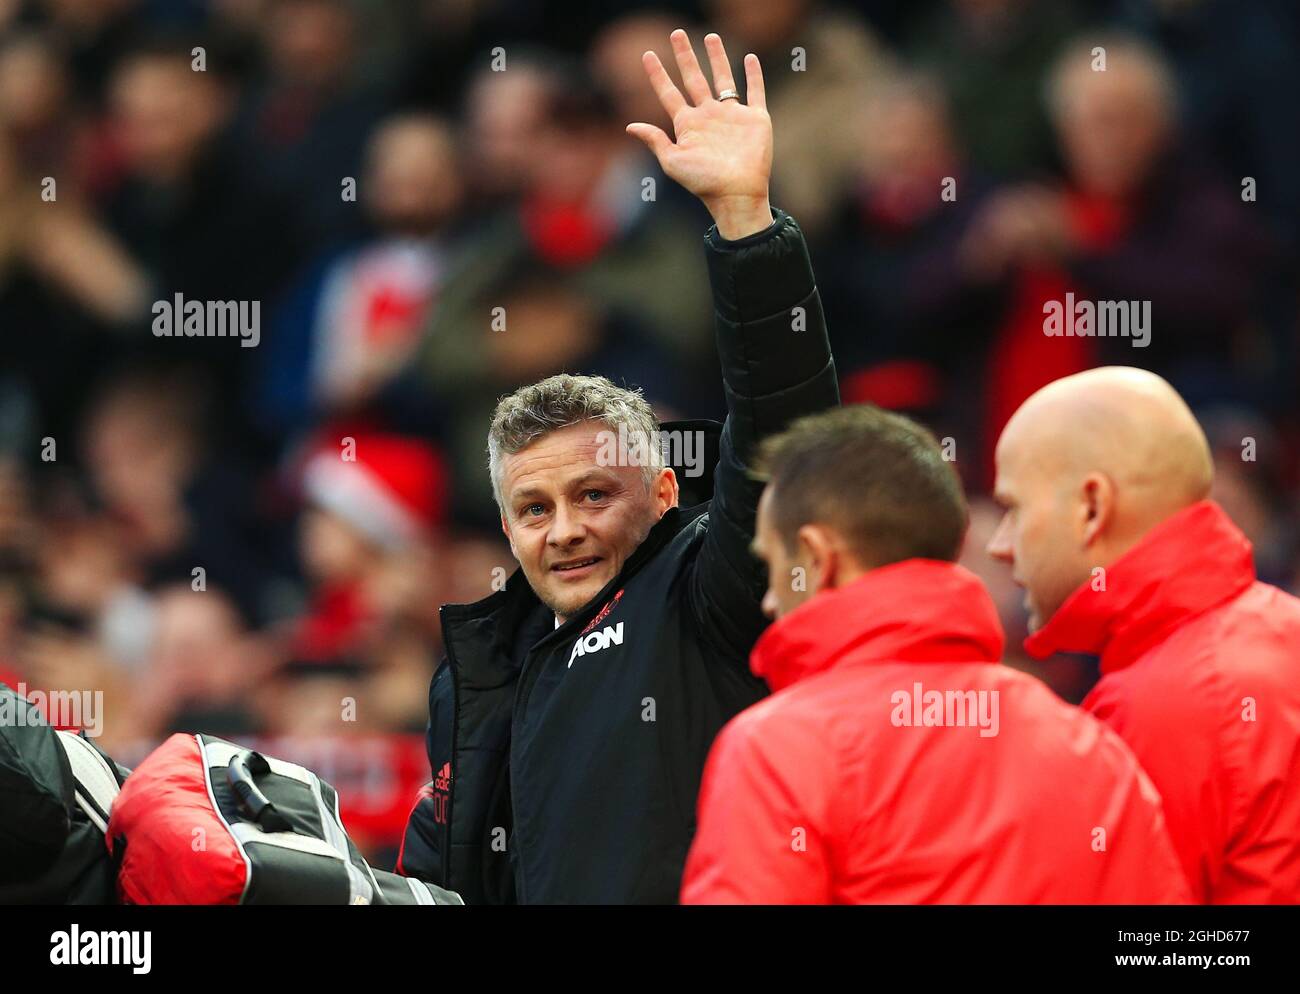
{"x":771,"y":334}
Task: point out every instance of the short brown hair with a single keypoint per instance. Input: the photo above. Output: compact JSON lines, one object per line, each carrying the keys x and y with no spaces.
{"x":879,"y":479}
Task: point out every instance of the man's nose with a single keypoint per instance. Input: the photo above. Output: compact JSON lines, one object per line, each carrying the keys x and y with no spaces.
{"x":769,"y":604}
{"x":1000,"y":546}
{"x":566,"y":528}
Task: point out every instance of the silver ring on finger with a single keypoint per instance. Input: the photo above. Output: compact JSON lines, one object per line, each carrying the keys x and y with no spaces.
{"x":728,"y":95}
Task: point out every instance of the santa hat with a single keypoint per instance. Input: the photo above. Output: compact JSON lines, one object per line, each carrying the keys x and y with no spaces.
{"x":390,"y":488}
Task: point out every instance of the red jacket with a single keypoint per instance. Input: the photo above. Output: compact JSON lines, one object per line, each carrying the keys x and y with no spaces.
{"x":829,"y":791}
{"x":1200,"y":674}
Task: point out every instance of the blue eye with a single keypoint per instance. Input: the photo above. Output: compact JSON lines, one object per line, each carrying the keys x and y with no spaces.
{"x":531,"y":507}
{"x":598,"y":494}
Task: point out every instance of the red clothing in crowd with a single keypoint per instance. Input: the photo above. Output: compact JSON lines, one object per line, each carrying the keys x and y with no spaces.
{"x":1200,"y":674}
{"x":829,"y":791}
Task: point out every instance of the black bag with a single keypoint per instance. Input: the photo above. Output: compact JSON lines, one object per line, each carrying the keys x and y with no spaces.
{"x":270,"y":830}
{"x":56,"y":795}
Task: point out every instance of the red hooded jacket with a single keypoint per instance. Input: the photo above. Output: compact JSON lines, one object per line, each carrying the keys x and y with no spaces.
{"x":1200,"y":674}
{"x":840,"y":787}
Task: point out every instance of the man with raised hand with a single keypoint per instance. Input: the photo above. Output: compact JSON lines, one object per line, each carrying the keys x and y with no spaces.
{"x":571,"y":718}
{"x":897,"y":760}
{"x":1105,"y":477}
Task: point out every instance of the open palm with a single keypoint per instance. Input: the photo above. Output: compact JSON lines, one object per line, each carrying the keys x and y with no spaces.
{"x":723,"y":151}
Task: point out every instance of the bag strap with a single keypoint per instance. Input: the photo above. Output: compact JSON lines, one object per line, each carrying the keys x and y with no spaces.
{"x":95,"y":785}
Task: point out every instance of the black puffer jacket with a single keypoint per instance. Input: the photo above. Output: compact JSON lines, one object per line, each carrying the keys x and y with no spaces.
{"x":577,"y":783}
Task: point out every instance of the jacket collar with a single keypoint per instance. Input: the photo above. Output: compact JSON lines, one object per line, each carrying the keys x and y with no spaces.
{"x":1184,"y":566}
{"x":918,"y":610}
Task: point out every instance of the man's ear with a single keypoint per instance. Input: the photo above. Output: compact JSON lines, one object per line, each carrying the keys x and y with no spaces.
{"x":821,"y":553}
{"x":1098,"y":506}
{"x":666,"y":491}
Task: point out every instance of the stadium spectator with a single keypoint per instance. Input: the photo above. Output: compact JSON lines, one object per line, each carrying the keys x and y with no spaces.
{"x":585,"y":220}
{"x":905,"y":333}
{"x":68,"y":288}
{"x":1237,"y":66}
{"x":150,"y":470}
{"x":503,"y":117}
{"x":310,"y":117}
{"x":993,"y":56}
{"x":1136,"y":221}
{"x":188,"y":205}
{"x":35,"y":102}
{"x":94,"y":33}
{"x":374,"y":500}
{"x":348,"y":327}
{"x":201,"y":666}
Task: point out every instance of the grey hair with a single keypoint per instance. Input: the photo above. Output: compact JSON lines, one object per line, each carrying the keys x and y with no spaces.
{"x":556,"y":402}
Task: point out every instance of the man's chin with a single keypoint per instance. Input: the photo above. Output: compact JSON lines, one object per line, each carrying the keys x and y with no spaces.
{"x":570,"y":600}
{"x":1038,"y":617}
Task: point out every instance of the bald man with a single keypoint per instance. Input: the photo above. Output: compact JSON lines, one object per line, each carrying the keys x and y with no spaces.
{"x":1105,"y":479}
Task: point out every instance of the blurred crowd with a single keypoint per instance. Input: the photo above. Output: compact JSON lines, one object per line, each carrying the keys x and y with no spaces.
{"x":434,"y":201}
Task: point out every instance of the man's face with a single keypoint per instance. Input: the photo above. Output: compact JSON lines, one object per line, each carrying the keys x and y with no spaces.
{"x":163,"y":113}
{"x":332,"y":550}
{"x":1111,"y":131}
{"x":411,"y":174}
{"x":573,"y":522}
{"x":789,"y":580}
{"x":1038,"y":536}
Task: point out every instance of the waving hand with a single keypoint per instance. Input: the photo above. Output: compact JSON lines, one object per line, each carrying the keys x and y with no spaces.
{"x":723,"y":147}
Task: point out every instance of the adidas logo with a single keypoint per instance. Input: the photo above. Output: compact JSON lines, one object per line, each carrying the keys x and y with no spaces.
{"x":442,"y":781}
{"x":595,"y":641}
